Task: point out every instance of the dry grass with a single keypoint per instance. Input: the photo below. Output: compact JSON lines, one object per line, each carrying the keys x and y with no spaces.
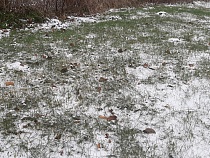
{"x":52,"y":7}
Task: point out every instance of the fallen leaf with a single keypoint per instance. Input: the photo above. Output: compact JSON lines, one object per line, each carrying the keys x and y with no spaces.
{"x":74,"y":65}
{"x":98,"y":89}
{"x":164,"y":64}
{"x":80,"y":97}
{"x":58,"y":136}
{"x":149,"y":131}
{"x":5,"y":30}
{"x":102,"y":117}
{"x":52,"y":85}
{"x":9,"y":83}
{"x":111,"y":111}
{"x":120,"y":50}
{"x":29,"y":20}
{"x":146,"y":65}
{"x":49,"y":57}
{"x":72,"y":20}
{"x":191,"y":65}
{"x":71,"y":44}
{"x":109,"y":141}
{"x":98,"y":145}
{"x":36,"y":121}
{"x":63,"y":70}
{"x":168,"y":51}
{"x":102,"y":79}
{"x":61,"y":152}
{"x":106,"y":135}
{"x":17,"y":109}
{"x":110,"y":118}
{"x":44,"y":56}
{"x":77,"y":121}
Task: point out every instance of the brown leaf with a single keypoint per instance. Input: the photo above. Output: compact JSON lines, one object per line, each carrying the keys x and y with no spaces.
{"x":61,"y":152}
{"x":72,"y":20}
{"x":77,"y":121}
{"x":102,"y":117}
{"x":163,"y":63}
{"x":53,"y":85}
{"x":74,"y":65}
{"x":111,"y":111}
{"x":149,"y":131}
{"x":80,"y":97}
{"x":63,"y":70}
{"x":120,"y":50}
{"x":146,"y":65}
{"x":98,"y":89}
{"x":5,"y":30}
{"x":191,"y":65}
{"x":9,"y":83}
{"x":168,"y":51}
{"x":110,"y":118}
{"x":98,"y":145}
{"x":17,"y":109}
{"x":109,"y":141}
{"x":72,"y":44}
{"x":102,"y":79}
{"x":58,"y":136}
{"x":106,"y":135}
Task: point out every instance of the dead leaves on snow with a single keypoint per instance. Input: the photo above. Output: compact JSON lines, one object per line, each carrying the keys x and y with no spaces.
{"x":9,"y":83}
{"x":58,"y":136}
{"x":149,"y":131}
{"x":110,"y":118}
{"x":102,"y":79}
{"x":72,"y":66}
{"x":107,"y":140}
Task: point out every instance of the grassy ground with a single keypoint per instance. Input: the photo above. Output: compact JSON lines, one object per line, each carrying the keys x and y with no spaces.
{"x":148,"y":68}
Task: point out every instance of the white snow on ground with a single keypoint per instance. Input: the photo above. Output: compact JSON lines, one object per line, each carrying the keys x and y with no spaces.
{"x":4,"y":33}
{"x":51,"y":24}
{"x":175,"y":40}
{"x":201,"y":4}
{"x":17,"y":66}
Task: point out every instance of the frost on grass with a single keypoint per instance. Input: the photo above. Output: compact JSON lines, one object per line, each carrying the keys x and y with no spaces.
{"x":128,"y":83}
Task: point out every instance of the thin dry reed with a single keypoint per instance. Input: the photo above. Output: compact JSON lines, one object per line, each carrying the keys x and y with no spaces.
{"x":52,"y":7}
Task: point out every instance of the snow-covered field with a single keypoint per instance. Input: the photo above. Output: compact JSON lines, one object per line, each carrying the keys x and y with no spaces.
{"x":127,"y":83}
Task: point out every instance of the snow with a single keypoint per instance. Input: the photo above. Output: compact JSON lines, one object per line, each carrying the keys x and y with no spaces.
{"x":4,"y":33}
{"x":161,"y":13}
{"x":175,"y":40}
{"x":17,"y":66}
{"x":201,"y":4}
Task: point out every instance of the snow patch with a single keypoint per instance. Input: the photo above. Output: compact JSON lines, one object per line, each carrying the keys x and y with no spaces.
{"x":4,"y":33}
{"x":17,"y":66}
{"x":175,"y":40}
{"x":162,"y":13}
